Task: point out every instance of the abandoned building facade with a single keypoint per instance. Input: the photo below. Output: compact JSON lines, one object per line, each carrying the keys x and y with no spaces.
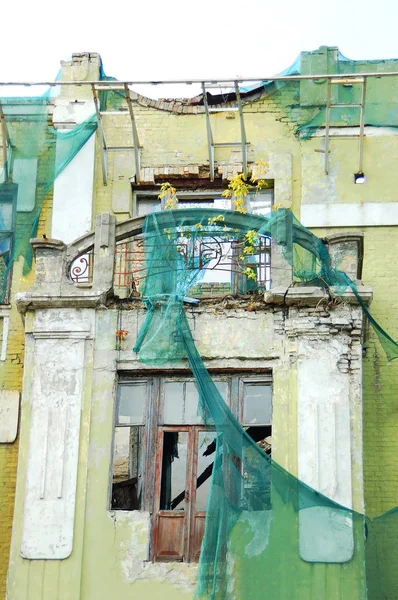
{"x":105,"y":459}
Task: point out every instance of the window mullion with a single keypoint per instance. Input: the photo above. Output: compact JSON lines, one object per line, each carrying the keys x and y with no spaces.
{"x":152,"y":418}
{"x":156,"y":495}
{"x":235,"y":397}
{"x":190,"y":492}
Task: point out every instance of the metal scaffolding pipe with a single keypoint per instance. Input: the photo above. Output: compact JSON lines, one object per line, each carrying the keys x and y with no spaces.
{"x":120,"y":84}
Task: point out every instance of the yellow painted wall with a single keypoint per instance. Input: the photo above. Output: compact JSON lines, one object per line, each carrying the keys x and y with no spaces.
{"x":380,"y":270}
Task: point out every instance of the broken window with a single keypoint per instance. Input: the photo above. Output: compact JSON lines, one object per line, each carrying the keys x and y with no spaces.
{"x":129,"y":444}
{"x":163,"y":453}
{"x":256,"y":406}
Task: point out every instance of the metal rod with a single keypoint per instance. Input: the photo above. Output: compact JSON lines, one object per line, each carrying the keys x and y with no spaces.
{"x":210,"y":142}
{"x":6,"y":142}
{"x":102,"y":137}
{"x":362,"y":126}
{"x":345,"y":80}
{"x":113,"y":113}
{"x":224,"y":109}
{"x":327,"y":126}
{"x":119,"y":84}
{"x":242,"y":130}
{"x":109,"y":148}
{"x":136,"y":142}
{"x":226,"y":144}
{"x":346,"y":105}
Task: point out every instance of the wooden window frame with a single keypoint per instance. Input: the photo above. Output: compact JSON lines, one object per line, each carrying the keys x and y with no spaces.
{"x":154,"y":430}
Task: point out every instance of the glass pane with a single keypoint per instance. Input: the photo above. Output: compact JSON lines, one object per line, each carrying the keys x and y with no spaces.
{"x":174,"y":470}
{"x":6,"y":216}
{"x":127,"y":468}
{"x":174,"y":402}
{"x":181,"y":400}
{"x":257,"y":404}
{"x":5,"y":244}
{"x":148,"y":205}
{"x":260,"y":204}
{"x":132,"y":402}
{"x":191,"y":404}
{"x":222,"y":387}
{"x":206,"y":454}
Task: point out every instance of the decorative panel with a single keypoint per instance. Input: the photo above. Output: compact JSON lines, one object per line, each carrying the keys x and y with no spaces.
{"x":324,"y":449}
{"x":56,"y":399}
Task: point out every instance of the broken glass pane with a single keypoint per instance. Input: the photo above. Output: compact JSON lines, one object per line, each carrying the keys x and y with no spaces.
{"x":174,"y":470}
{"x":127,"y":468}
{"x":206,"y":454}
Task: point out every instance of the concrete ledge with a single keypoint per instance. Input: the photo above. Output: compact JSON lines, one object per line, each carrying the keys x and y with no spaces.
{"x":27,"y":301}
{"x":311,"y":296}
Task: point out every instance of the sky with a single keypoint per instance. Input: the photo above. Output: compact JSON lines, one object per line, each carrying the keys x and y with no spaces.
{"x":181,"y":39}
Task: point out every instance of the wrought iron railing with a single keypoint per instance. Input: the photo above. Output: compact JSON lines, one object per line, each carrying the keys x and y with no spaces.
{"x":81,"y":269}
{"x":224,"y":266}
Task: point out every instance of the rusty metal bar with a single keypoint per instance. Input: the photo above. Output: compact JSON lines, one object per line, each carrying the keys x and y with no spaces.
{"x":210,"y":141}
{"x":362,"y":125}
{"x":327,"y":126}
{"x":136,"y":142}
{"x":360,"y":105}
{"x":242,"y":130}
{"x":104,"y":161}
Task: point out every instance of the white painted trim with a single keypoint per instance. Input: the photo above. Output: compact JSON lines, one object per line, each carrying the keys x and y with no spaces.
{"x":4,"y":341}
{"x":354,"y":131}
{"x":9,"y":415}
{"x":77,"y":335}
{"x":369,"y":214}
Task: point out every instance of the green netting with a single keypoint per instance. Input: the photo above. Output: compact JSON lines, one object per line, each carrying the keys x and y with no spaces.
{"x":38,"y":154}
{"x":264,"y":528}
{"x":304,"y":102}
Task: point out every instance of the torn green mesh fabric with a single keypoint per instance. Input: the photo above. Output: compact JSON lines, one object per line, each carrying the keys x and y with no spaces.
{"x":246,"y":546}
{"x":52,"y":150}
